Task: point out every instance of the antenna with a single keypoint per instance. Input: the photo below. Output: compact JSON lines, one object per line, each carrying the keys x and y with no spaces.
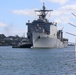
{"x":73,"y":14}
{"x":62,"y":28}
{"x":73,"y":34}
{"x":75,"y":47}
{"x":70,"y":33}
{"x":44,"y":6}
{"x":23,"y":35}
{"x":43,"y":12}
{"x":72,"y":24}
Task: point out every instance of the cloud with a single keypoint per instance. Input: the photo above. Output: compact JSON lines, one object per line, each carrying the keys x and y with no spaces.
{"x":67,"y":9}
{"x":20,"y":32}
{"x":2,"y":24}
{"x":63,"y":14}
{"x":27,"y":12}
{"x":9,"y":29}
{"x":62,"y":10}
{"x":14,"y":32}
{"x":56,"y":1}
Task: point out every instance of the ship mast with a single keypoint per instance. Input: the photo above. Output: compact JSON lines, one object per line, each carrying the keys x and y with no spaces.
{"x":43,"y":12}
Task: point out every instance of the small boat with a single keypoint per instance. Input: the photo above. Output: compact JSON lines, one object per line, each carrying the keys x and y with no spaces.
{"x":23,"y":44}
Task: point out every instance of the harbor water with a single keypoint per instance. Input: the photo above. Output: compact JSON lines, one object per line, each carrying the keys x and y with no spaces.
{"x":26,"y":61}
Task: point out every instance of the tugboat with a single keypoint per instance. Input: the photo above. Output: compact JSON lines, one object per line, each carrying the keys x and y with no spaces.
{"x":44,"y":34}
{"x":25,"y":43}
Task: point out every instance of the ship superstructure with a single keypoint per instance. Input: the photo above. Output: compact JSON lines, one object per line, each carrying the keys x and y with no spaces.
{"x":44,"y":34}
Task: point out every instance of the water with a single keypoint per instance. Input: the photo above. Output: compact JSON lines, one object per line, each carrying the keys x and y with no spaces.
{"x":15,"y":61}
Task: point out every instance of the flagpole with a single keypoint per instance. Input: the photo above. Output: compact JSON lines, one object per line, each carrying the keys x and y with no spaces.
{"x":75,"y":47}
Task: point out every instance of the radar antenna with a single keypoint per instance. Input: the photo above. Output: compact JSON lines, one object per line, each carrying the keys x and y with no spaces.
{"x":43,"y":12}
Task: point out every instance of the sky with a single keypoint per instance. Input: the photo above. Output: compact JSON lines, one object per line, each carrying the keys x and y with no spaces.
{"x":14,"y":14}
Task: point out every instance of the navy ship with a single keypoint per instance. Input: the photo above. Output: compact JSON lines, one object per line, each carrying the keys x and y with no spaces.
{"x":44,"y":34}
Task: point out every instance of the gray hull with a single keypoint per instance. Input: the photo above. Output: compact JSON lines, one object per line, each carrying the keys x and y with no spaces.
{"x":47,"y":41}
